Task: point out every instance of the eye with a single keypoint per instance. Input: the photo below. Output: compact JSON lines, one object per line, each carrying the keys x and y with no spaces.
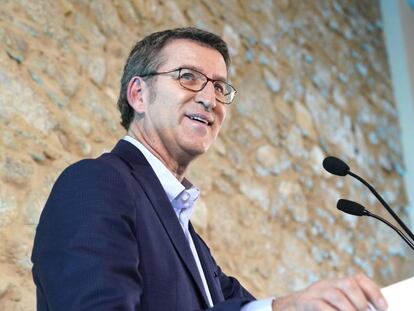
{"x":219,"y":87}
{"x":187,"y":75}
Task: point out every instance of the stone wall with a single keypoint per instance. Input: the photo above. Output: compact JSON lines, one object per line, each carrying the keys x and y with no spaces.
{"x":313,"y":81}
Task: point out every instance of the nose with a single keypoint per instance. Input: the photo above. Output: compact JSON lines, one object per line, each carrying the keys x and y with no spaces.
{"x":207,"y":96}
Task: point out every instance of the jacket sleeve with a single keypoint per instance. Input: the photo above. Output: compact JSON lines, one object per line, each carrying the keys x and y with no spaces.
{"x":87,"y":223}
{"x":238,"y":298}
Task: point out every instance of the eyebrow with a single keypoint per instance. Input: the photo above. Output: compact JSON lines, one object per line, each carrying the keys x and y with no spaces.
{"x":215,"y":77}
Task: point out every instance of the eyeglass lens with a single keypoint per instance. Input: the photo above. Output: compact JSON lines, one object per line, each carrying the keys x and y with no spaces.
{"x":196,"y":81}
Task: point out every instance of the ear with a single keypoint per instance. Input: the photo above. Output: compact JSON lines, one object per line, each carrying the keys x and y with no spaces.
{"x":135,"y":95}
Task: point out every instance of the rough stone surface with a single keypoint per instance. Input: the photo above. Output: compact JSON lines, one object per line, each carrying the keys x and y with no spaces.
{"x":312,"y":81}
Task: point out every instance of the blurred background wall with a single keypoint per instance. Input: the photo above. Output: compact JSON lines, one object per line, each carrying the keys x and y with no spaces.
{"x":313,"y":80}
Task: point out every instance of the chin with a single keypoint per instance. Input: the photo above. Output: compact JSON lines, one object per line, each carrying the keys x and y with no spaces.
{"x":197,"y":150}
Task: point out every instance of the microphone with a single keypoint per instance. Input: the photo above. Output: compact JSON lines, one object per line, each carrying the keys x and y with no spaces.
{"x":335,"y":166}
{"x":351,"y":207}
{"x":338,"y":167}
{"x":356,"y":209}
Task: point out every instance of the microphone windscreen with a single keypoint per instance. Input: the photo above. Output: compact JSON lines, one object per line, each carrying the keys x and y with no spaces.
{"x":335,"y":166}
{"x":351,"y":207}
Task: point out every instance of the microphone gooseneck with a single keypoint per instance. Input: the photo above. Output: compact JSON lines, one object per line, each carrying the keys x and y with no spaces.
{"x":387,"y":207}
{"x":338,"y":167}
{"x":356,"y":209}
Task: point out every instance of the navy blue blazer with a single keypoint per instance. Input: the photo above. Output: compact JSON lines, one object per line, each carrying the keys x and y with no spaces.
{"x":108,"y":239}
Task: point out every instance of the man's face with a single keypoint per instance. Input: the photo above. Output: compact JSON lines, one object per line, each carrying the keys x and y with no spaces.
{"x":169,"y":127}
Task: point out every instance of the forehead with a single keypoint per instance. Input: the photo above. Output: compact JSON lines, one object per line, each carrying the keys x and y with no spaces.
{"x":183,"y":52}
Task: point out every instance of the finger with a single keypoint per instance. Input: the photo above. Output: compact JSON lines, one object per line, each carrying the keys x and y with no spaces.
{"x":317,"y":305}
{"x":350,"y":287}
{"x":300,"y":302}
{"x":372,"y":292}
{"x":337,"y":299}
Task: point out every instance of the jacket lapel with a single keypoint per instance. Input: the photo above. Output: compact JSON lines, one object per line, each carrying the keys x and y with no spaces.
{"x":210,"y":270}
{"x":144,"y":174}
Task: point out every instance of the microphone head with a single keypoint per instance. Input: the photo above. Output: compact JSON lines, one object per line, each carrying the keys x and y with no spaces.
{"x":351,"y":207}
{"x":335,"y":166}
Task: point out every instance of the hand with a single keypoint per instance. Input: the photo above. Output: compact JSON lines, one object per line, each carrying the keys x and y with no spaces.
{"x":344,"y":294}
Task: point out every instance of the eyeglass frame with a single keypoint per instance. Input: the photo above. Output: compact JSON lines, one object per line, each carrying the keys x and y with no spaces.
{"x":203,"y":86}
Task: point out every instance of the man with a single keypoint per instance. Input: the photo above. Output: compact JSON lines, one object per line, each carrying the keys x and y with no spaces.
{"x":115,"y":231}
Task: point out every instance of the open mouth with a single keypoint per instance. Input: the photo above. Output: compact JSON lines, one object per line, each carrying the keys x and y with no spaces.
{"x":200,"y":119}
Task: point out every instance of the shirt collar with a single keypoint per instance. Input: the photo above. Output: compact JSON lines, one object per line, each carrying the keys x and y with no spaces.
{"x":171,"y":185}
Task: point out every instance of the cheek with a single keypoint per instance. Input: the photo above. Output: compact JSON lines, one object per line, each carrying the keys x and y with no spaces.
{"x":221,"y":114}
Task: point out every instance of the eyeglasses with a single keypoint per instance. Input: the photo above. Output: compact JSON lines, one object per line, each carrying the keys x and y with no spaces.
{"x":195,"y":81}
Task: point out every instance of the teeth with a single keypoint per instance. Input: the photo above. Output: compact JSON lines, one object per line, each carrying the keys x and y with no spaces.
{"x":199,"y":119}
